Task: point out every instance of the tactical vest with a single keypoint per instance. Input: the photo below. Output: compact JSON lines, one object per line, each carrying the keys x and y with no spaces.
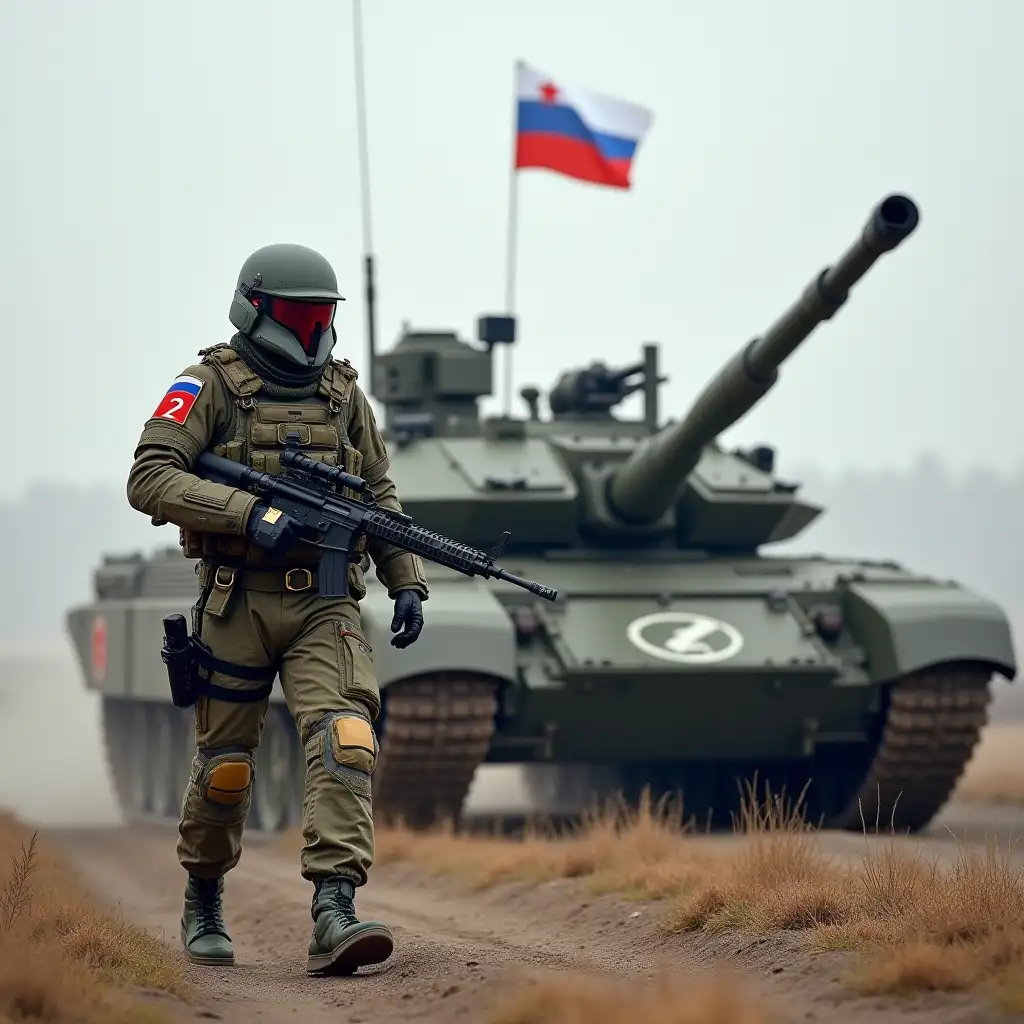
{"x":258,"y":437}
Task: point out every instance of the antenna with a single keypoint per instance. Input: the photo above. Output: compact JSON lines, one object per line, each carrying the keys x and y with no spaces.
{"x":364,"y":175}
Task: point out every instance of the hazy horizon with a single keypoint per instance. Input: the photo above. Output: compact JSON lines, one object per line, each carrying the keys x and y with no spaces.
{"x":961,"y":526}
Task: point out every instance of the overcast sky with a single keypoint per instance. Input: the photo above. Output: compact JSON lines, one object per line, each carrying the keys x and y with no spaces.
{"x":149,"y":147}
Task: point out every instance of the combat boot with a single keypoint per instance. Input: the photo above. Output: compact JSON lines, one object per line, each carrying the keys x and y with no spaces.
{"x":203,"y":934}
{"x":341,"y":943}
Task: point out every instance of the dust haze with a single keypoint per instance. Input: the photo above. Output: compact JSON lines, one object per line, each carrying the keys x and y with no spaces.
{"x":52,"y":765}
{"x":53,"y":770}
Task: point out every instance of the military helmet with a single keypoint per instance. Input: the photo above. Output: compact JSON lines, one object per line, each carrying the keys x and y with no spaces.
{"x":284,"y":302}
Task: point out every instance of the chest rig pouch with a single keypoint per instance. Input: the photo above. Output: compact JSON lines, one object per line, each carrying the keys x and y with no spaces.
{"x":258,"y":436}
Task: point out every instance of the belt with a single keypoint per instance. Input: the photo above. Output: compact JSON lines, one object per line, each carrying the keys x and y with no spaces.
{"x":268,"y":581}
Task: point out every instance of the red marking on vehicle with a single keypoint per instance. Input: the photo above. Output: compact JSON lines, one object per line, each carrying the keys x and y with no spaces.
{"x":98,"y":648}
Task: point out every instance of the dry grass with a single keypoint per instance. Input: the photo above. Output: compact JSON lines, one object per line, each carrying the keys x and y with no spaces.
{"x":585,"y":1000}
{"x":918,"y":924}
{"x":63,"y":961}
{"x":995,"y":774}
{"x":639,"y":853}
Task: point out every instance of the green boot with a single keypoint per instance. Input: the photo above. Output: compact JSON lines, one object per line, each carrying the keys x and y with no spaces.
{"x":341,"y":943}
{"x":203,"y":935}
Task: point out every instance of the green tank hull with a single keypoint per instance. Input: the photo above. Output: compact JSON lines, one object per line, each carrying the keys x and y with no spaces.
{"x":893,"y":711}
{"x":679,"y":655}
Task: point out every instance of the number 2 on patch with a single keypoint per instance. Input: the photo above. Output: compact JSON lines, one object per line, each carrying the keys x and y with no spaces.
{"x":175,"y":403}
{"x":178,"y":401}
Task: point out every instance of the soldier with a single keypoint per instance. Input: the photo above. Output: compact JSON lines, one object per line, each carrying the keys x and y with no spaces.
{"x":258,"y":609}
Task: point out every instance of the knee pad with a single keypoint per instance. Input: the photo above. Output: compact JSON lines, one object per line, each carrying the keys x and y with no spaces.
{"x":346,"y":747}
{"x":351,"y":741}
{"x":226,"y":777}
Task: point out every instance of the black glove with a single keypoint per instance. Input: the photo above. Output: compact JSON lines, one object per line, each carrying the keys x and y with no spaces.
{"x":276,"y":536}
{"x":408,"y":613}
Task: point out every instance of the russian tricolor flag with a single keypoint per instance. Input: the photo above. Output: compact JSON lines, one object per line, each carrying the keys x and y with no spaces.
{"x":575,"y":131}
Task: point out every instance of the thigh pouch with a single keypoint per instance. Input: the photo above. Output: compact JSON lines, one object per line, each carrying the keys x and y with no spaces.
{"x":190,"y":662}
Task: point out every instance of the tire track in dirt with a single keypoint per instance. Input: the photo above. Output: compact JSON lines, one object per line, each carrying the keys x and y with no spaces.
{"x":449,"y":948}
{"x":454,"y":950}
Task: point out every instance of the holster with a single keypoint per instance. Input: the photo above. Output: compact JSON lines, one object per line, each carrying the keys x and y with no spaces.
{"x":190,"y":664}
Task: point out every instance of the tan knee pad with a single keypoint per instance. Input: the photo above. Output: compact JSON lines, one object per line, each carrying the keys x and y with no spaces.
{"x":228,"y":783}
{"x":225,"y":781}
{"x":352,"y":741}
{"x":350,"y":749}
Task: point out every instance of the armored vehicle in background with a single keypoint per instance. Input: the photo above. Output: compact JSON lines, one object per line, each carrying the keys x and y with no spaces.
{"x":679,"y":655}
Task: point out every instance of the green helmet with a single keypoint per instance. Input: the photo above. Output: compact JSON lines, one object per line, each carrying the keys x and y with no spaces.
{"x":284,"y":302}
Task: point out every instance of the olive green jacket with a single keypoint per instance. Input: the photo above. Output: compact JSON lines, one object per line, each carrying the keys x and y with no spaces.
{"x":337,"y":426}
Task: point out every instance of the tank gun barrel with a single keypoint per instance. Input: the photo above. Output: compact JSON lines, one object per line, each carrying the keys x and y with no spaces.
{"x":654,"y":477}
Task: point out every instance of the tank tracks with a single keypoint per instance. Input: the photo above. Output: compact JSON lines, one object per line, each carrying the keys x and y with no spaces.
{"x":928,"y":728}
{"x":932,"y":725}
{"x":436,"y":731}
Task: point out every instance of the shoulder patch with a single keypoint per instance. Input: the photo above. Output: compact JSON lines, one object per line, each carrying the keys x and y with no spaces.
{"x":180,"y":397}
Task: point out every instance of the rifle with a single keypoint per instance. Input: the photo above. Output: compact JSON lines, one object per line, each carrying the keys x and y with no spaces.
{"x":334,"y":523}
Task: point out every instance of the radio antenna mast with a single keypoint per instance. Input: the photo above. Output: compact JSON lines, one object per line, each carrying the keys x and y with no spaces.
{"x":364,"y":175}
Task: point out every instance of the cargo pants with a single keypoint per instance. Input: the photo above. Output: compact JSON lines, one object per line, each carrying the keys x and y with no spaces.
{"x":251,"y":618}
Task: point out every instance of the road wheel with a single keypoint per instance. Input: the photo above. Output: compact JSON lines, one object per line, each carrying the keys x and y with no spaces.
{"x":434,"y":732}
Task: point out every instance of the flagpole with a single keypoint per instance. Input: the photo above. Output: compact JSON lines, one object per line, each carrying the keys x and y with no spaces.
{"x":364,"y":181}
{"x":512,"y":239}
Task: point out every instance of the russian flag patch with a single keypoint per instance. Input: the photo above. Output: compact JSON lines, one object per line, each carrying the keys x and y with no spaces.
{"x":180,"y":397}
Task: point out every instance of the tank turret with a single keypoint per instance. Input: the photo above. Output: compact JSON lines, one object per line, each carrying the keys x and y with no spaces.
{"x":654,"y":478}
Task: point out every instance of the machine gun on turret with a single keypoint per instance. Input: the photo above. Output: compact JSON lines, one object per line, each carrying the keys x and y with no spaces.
{"x":595,"y":390}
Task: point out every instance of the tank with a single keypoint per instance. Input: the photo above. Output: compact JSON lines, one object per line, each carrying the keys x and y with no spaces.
{"x":680,"y":656}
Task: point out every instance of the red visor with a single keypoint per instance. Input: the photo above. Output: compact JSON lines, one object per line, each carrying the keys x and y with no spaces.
{"x":308,"y":321}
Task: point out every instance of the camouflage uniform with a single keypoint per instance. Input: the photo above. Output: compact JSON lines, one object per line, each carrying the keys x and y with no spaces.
{"x":262,"y":611}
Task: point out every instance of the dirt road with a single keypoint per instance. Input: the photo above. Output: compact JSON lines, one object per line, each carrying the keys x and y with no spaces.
{"x":456,"y":953}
